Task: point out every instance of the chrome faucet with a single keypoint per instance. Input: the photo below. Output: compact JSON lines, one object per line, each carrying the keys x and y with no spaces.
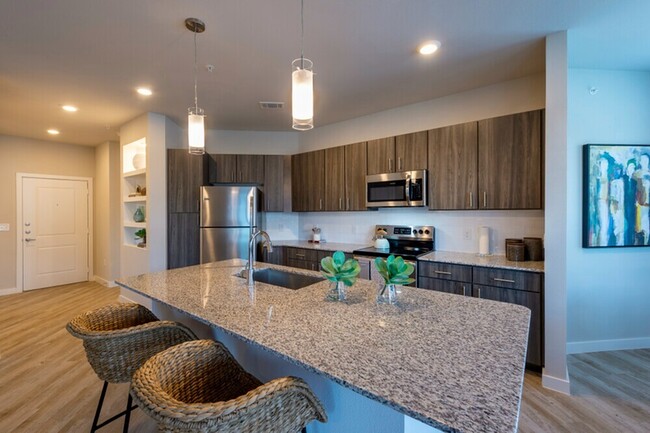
{"x":251,"y":248}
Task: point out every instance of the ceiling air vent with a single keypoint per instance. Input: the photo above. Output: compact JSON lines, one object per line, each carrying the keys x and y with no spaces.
{"x":271,"y":105}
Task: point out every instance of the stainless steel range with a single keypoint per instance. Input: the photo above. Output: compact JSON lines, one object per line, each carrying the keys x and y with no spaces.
{"x":409,"y":242}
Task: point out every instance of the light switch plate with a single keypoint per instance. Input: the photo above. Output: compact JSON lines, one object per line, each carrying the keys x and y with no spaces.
{"x":4,"y":227}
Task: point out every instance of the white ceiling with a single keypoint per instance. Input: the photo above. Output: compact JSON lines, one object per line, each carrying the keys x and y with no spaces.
{"x":93,"y":53}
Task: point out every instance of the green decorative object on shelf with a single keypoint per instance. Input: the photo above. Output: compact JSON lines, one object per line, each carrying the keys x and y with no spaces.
{"x":141,"y":234}
{"x":341,"y":272}
{"x":138,"y":216}
{"x":394,"y":270}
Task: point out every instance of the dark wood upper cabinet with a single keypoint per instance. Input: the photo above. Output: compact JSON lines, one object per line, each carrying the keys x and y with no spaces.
{"x":453,"y":166}
{"x":335,"y":179}
{"x":510,"y":161}
{"x":277,"y":169}
{"x":185,"y":175}
{"x":308,"y":181}
{"x":411,"y":151}
{"x":381,"y":155}
{"x":355,"y":176}
{"x":250,"y":169}
{"x":223,"y":168}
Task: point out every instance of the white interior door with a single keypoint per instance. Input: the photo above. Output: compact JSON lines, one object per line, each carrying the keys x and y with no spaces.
{"x":55,"y":232}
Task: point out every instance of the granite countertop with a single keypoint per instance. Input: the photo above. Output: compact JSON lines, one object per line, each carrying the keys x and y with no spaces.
{"x":485,"y":261}
{"x":324,"y":246}
{"x":453,"y":362}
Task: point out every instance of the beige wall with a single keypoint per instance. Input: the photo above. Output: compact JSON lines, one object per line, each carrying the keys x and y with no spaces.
{"x":107,"y":212}
{"x":24,"y":155}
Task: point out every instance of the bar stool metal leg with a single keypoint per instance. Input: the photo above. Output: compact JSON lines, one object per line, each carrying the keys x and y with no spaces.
{"x":127,"y":415}
{"x":94,"y":427}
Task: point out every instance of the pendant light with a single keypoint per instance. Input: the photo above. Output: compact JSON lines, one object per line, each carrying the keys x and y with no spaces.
{"x":195,"y":116}
{"x":302,"y":86}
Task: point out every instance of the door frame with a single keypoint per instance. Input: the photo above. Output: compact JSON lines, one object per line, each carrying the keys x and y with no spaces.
{"x":19,"y":221}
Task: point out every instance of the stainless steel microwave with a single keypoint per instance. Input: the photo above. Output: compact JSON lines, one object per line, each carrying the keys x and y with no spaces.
{"x":403,"y":189}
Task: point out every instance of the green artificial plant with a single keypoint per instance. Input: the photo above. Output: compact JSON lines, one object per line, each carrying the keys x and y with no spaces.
{"x":336,"y":268}
{"x":394,"y":270}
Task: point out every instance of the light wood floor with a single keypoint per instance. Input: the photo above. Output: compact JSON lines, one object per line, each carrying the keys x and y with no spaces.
{"x":46,"y":384}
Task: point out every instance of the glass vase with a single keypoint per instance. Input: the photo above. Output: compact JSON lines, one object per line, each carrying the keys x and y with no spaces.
{"x":337,"y":292}
{"x":138,"y":216}
{"x":387,"y":294}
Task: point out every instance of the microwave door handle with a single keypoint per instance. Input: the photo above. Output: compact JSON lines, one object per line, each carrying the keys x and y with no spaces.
{"x":407,"y":189}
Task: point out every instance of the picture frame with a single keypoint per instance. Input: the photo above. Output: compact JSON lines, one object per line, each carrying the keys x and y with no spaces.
{"x":616,"y":195}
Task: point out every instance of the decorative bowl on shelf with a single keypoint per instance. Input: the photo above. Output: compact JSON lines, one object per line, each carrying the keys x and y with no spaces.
{"x":139,"y":161}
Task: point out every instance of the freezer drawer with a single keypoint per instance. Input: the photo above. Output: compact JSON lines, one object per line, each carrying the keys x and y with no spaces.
{"x":224,"y":243}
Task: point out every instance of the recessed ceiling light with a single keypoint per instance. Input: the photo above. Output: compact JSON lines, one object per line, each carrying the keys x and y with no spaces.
{"x":53,"y":131}
{"x":144,"y":91}
{"x":70,"y":108}
{"x":429,"y":47}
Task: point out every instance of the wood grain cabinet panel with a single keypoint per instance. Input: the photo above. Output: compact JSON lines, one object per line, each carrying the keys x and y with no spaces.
{"x":453,"y":167}
{"x":381,"y":155}
{"x":445,"y":271}
{"x":185,"y":175}
{"x":183,"y":244}
{"x":439,"y":285}
{"x":508,"y":279}
{"x":411,"y":151}
{"x":531,"y":300}
{"x":510,"y":161}
{"x":335,"y":179}
{"x":308,"y":181}
{"x":355,"y":176}
{"x":276,"y":173}
{"x":250,"y":169}
{"x":223,"y":168}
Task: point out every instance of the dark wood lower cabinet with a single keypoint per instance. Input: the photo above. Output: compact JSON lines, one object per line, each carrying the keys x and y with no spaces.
{"x":503,"y":285}
{"x":531,"y":300}
{"x":182,"y":240}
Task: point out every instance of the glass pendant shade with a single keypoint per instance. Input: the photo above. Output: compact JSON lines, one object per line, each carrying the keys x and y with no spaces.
{"x":196,"y":131}
{"x":302,"y":94}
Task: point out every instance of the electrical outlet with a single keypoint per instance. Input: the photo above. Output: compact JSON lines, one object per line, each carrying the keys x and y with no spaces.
{"x":4,"y":227}
{"x":467,"y":234}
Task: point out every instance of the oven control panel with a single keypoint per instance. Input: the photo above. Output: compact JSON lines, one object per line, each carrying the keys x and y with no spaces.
{"x":405,"y":232}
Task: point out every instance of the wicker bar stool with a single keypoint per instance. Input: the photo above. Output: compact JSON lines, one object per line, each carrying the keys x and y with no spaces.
{"x":199,"y":387}
{"x":118,"y":339}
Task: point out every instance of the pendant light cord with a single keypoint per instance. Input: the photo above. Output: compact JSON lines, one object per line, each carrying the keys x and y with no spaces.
{"x":196,"y":98}
{"x":302,"y":34}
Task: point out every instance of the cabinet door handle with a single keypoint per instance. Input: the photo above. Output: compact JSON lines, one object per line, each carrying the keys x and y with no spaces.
{"x":300,"y":255}
{"x":471,"y":199}
{"x":399,"y":163}
{"x":232,"y":176}
{"x":340,"y":203}
{"x":347,"y":201}
{"x":464,"y":290}
{"x":442,"y":272}
{"x":484,"y":198}
{"x":390,"y":165}
{"x":479,"y":291}
{"x":320,"y":204}
{"x":503,"y":280}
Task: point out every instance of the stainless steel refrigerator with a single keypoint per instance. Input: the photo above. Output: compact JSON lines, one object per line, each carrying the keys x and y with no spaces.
{"x":228,"y":215}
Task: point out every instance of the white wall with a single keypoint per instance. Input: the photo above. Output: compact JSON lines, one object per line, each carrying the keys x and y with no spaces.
{"x":500,"y":99}
{"x":107,"y":213}
{"x":555,"y":286}
{"x":608,"y":289}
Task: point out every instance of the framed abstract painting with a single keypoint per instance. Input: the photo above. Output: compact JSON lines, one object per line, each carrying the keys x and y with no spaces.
{"x":616,"y":195}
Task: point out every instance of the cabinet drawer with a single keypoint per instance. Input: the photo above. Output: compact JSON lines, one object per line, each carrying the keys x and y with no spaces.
{"x":508,"y":279}
{"x":301,"y":254}
{"x":445,"y":271}
{"x":302,"y":264}
{"x":455,"y":287}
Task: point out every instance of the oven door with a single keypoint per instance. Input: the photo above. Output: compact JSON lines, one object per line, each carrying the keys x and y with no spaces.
{"x":404,"y":189}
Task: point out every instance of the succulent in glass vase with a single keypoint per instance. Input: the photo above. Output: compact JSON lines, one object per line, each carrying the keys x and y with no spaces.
{"x":343,"y":273}
{"x":394,"y":271}
{"x":141,"y":234}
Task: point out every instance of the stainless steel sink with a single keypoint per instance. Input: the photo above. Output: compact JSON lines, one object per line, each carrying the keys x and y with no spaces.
{"x":285,"y":279}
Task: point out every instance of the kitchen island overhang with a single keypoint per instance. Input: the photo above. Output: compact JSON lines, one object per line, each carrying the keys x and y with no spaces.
{"x":455,"y":363}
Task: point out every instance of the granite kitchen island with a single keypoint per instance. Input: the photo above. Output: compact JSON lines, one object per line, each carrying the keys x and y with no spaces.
{"x":450,"y":362}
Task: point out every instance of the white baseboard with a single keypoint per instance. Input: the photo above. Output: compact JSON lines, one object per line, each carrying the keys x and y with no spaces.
{"x":608,"y":345}
{"x":104,"y":282}
{"x":556,"y":384}
{"x":10,"y":291}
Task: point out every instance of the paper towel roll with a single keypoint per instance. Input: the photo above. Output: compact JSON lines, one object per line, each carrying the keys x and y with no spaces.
{"x":484,"y":240}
